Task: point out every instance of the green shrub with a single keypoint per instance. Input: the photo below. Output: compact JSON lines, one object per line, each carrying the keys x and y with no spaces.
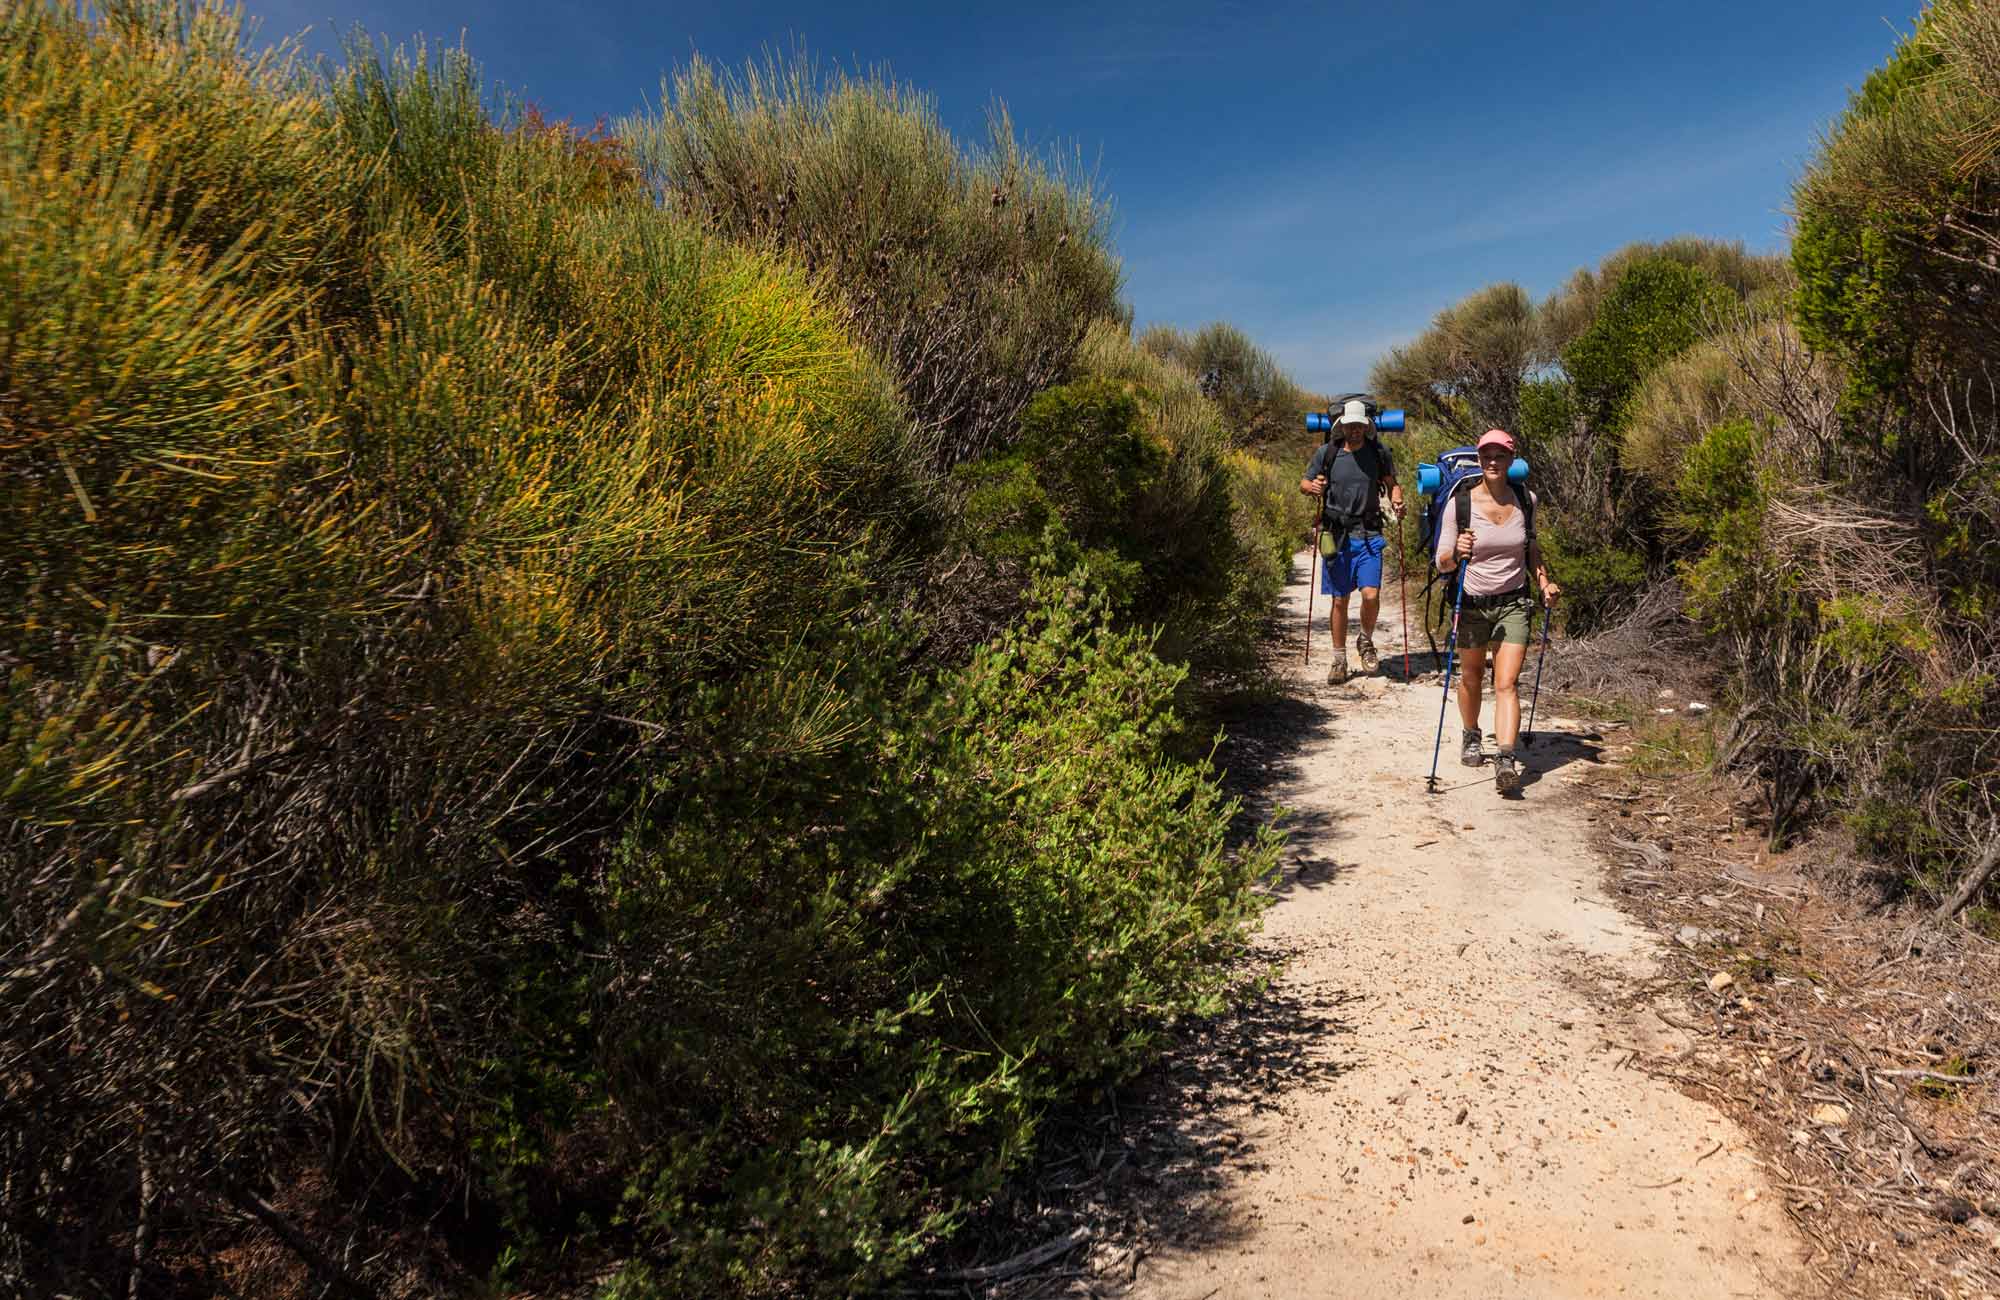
{"x":1655,"y":310}
{"x":456,"y":748}
{"x":1718,"y":475}
{"x":974,"y":275}
{"x":1128,"y":472}
{"x":1856,"y":265}
{"x":1598,"y":579}
{"x":1735,"y":579}
{"x":1465,"y":372}
{"x":1751,"y":277}
{"x":992,"y":884}
{"x":1261,"y":407}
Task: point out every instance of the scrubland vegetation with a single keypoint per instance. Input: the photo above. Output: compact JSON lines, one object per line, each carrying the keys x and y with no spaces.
{"x":1807,"y":448}
{"x":621,"y":711}
{"x":602,"y":710}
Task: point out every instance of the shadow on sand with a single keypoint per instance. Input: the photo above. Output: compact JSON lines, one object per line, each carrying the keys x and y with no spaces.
{"x":1145,"y":1167}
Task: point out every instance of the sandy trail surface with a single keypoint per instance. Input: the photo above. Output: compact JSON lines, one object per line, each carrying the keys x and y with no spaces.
{"x":1474,"y":1131}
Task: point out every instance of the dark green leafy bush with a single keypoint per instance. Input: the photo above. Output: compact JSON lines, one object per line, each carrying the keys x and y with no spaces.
{"x":1128,"y":473}
{"x":1862,"y":291}
{"x":978,"y":888}
{"x":1656,"y":309}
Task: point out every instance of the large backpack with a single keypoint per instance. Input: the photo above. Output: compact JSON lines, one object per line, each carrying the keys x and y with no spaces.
{"x":1323,"y":423}
{"x":1448,"y":484}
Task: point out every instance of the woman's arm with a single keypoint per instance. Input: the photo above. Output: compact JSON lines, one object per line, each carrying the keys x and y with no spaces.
{"x":1550,"y":591}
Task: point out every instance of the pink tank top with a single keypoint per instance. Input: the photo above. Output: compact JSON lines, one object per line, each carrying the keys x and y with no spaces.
{"x":1499,"y":551}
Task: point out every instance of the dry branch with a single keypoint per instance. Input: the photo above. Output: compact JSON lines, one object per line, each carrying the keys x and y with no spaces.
{"x":1024,"y":1261}
{"x":1968,"y":888}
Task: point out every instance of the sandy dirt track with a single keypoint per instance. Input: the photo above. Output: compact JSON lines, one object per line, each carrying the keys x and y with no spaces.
{"x":1479,"y":1136}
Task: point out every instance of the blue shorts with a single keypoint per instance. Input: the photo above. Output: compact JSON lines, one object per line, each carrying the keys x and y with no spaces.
{"x":1358,"y":564}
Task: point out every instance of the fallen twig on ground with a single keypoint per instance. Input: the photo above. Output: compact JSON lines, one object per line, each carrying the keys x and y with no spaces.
{"x":1024,"y":1261}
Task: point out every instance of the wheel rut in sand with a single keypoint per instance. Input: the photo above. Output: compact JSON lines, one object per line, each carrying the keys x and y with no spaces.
{"x":1474,"y":1133}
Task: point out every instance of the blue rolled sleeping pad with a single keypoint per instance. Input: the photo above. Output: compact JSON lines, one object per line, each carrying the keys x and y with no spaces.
{"x":1428,"y":479}
{"x":1385,"y":421}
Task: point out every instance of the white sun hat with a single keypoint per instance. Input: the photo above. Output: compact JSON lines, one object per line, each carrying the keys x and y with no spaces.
{"x":1355,"y":412}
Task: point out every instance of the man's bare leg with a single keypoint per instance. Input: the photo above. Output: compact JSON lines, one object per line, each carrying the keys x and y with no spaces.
{"x":1336,"y":621}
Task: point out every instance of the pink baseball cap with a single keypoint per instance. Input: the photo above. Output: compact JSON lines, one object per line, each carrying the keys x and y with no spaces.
{"x":1497,"y":437}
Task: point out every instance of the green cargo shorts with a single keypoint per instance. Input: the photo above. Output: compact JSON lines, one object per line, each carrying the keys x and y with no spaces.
{"x":1513,"y":623}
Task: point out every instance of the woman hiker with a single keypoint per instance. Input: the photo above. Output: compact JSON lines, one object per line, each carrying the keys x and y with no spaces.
{"x":1348,"y":473}
{"x":1499,"y":611}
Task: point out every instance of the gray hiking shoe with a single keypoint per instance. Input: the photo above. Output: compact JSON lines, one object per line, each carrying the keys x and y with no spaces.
{"x":1506,"y":772}
{"x":1469,"y":752}
{"x":1336,"y":672}
{"x":1365,"y":647}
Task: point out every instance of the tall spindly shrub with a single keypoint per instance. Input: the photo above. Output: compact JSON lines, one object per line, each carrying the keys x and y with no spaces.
{"x":973,"y":274}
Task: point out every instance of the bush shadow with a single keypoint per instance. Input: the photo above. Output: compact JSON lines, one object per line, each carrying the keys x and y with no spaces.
{"x":1145,"y":1167}
{"x":1261,"y":759}
{"x":1551,"y":751}
{"x":1263,"y":730}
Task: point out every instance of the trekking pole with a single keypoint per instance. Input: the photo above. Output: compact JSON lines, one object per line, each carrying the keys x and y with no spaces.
{"x":1312,"y":585}
{"x":1403,"y":585}
{"x":1450,"y":654}
{"x":1548,"y":611}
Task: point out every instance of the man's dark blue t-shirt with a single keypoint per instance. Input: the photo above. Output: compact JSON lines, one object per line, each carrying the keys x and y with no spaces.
{"x":1353,"y":484}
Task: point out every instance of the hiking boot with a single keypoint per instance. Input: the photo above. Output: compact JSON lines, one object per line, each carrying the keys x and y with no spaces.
{"x":1336,"y":672}
{"x":1468,"y":750}
{"x":1365,"y":647}
{"x":1506,"y":772}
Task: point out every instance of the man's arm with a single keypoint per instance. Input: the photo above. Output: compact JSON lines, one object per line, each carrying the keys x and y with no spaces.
{"x":1314,"y":483}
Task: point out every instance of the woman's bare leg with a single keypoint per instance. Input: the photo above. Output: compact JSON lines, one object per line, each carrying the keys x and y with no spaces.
{"x":1471,"y":680}
{"x":1507,"y":661}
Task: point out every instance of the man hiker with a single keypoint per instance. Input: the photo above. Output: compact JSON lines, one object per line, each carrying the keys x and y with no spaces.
{"x":1347,"y":473}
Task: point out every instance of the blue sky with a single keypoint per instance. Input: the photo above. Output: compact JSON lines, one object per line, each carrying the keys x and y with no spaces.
{"x":1326,"y":176}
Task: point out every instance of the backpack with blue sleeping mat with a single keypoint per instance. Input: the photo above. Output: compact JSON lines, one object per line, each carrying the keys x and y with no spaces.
{"x":1450,"y":482}
{"x":1331,"y":531}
